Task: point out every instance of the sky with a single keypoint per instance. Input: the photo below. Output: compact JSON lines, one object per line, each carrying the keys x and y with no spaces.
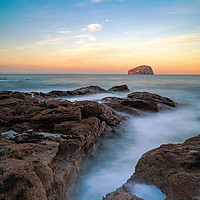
{"x":99,"y":36}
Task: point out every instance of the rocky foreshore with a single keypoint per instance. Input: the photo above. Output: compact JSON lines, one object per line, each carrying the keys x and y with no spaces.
{"x":44,"y":142}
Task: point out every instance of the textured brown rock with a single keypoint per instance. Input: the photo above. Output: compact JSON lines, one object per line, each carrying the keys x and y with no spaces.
{"x":120,"y":88}
{"x":103,"y":112}
{"x":152,"y":98}
{"x":141,"y":104}
{"x":174,"y":168}
{"x":79,"y":91}
{"x":116,"y":104}
{"x":41,"y":156}
{"x":122,"y":108}
{"x":121,"y":196}
{"x":143,"y":69}
{"x":144,"y":101}
{"x":43,"y":143}
{"x":88,"y":90}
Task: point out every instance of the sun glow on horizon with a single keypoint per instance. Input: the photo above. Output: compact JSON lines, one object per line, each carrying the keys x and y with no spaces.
{"x":100,"y":36}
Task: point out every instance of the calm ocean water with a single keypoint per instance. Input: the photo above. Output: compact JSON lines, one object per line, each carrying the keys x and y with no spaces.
{"x":117,"y":157}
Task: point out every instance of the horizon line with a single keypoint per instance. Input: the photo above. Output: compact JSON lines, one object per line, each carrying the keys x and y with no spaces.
{"x":89,"y":74}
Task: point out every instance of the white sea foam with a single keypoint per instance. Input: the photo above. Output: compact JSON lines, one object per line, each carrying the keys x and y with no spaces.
{"x":118,"y":156}
{"x":97,"y":97}
{"x":147,"y":192}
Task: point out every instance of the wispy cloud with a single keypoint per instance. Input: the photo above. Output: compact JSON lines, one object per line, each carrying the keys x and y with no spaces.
{"x":94,"y":27}
{"x":64,"y":32}
{"x":96,"y":1}
{"x":83,"y":38}
{"x":179,"y":39}
{"x":45,"y":42}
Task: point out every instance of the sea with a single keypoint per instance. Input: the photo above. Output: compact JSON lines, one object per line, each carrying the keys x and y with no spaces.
{"x":117,"y":156}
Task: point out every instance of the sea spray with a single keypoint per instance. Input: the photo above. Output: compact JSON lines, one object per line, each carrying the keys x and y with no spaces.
{"x":117,"y":156}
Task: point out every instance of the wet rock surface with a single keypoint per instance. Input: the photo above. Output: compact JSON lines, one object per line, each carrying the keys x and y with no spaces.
{"x":43,"y":143}
{"x":80,"y":91}
{"x":60,"y":93}
{"x":150,"y":97}
{"x":143,"y":101}
{"x":121,"y":196}
{"x":120,"y":88}
{"x":174,"y":168}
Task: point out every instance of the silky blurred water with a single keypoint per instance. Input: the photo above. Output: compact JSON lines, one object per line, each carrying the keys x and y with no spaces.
{"x":116,"y":159}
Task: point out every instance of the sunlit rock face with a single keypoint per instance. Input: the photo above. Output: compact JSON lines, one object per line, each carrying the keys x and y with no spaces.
{"x":143,"y":69}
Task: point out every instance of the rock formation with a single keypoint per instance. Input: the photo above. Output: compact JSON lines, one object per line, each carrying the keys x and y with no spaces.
{"x":120,"y":88}
{"x":121,"y":196}
{"x":174,"y":168}
{"x":143,"y":69}
{"x":43,"y":144}
{"x":60,"y":93}
{"x":143,"y":101}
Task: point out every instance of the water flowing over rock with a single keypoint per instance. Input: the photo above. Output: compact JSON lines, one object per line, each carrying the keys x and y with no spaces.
{"x":59,"y":93}
{"x":143,"y":69}
{"x":44,"y":143}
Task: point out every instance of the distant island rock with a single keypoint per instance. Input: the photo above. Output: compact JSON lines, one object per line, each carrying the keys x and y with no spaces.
{"x":143,"y":69}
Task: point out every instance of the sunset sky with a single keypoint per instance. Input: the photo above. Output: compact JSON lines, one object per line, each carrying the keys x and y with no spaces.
{"x":99,"y":36}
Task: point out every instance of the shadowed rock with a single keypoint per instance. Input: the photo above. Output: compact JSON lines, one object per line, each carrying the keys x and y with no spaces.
{"x":103,"y":112}
{"x":121,"y":88}
{"x":122,"y":108}
{"x":144,"y":101}
{"x":121,"y":196}
{"x":150,"y":97}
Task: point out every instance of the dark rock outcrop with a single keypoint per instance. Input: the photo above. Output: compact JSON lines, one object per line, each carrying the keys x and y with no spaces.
{"x":144,"y":101}
{"x":121,"y":196}
{"x":60,"y":93}
{"x":103,"y":112}
{"x":124,"y":109}
{"x":43,"y":144}
{"x":143,"y":69}
{"x":150,"y":97}
{"x":174,"y":168}
{"x":120,"y":88}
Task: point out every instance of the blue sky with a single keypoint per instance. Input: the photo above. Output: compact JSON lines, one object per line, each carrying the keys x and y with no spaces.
{"x":38,"y":29}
